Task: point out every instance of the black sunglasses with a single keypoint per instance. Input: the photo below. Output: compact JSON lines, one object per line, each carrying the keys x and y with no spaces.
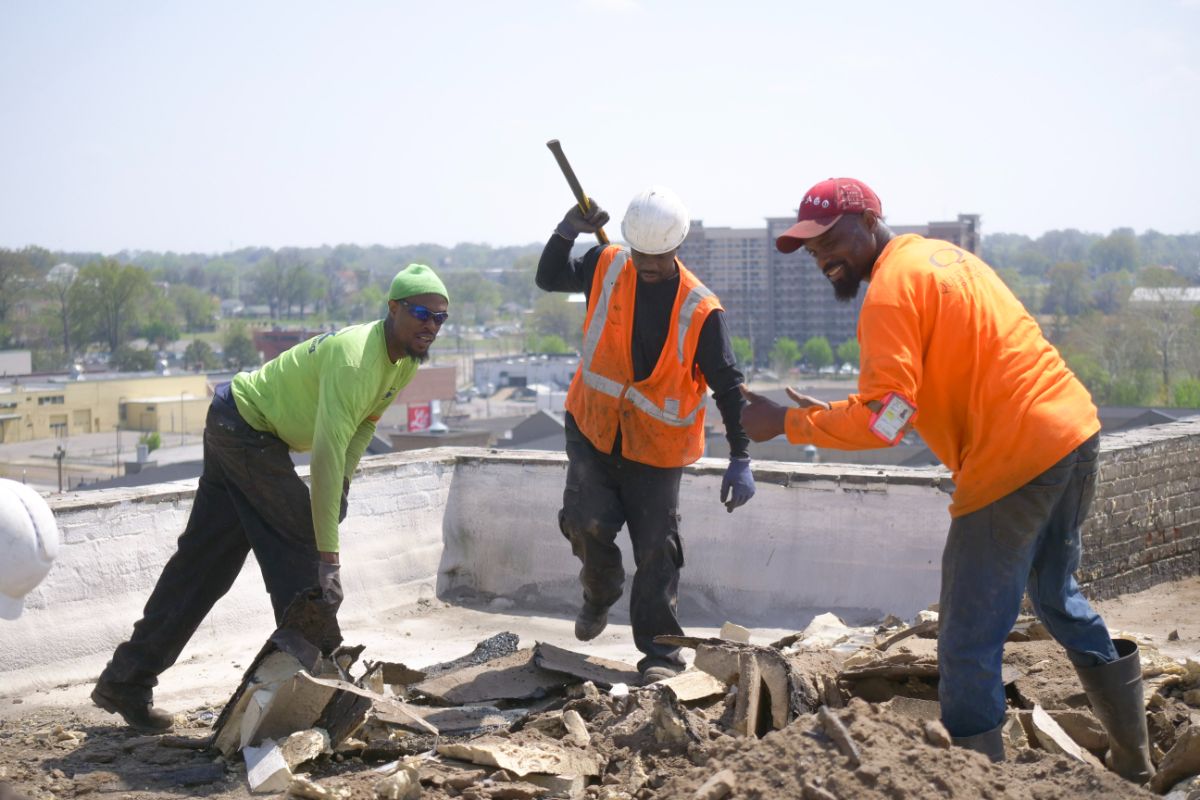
{"x":424,"y":314}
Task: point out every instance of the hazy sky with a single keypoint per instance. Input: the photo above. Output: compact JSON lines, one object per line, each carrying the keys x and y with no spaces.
{"x":215,"y":125}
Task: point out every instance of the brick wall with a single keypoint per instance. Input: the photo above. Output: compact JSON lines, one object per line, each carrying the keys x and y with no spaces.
{"x":1144,"y":527}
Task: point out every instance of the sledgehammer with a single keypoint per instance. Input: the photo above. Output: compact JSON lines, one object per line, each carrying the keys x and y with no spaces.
{"x":580,"y":197}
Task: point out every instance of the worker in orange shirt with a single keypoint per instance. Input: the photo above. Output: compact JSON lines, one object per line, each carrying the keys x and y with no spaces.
{"x":946,"y":348}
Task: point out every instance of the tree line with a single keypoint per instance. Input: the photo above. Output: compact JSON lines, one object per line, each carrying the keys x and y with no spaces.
{"x":62,"y":305}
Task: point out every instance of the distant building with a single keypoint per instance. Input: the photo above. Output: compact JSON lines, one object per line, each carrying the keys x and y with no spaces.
{"x":272,"y":343}
{"x":1173,"y":295}
{"x":15,"y":362}
{"x":552,"y":370}
{"x":62,"y":406}
{"x":769,"y":295}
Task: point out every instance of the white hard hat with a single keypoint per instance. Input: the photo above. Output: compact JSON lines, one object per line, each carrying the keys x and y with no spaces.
{"x":28,"y":544}
{"x":656,"y":221}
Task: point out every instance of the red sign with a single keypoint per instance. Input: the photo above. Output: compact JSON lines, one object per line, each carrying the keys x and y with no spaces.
{"x":419,"y":417}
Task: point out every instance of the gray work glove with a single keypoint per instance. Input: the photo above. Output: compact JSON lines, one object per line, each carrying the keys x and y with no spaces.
{"x":345,"y":500}
{"x":576,"y":222}
{"x":329,"y":577}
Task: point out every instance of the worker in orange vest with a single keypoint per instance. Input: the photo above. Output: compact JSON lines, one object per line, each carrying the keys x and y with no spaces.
{"x":948,"y":349}
{"x":654,"y":339}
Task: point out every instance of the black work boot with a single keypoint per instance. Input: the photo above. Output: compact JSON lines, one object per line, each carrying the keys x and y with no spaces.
{"x":590,"y":622}
{"x":1114,"y":691}
{"x":990,"y":743}
{"x":658,"y":673}
{"x":134,"y":704}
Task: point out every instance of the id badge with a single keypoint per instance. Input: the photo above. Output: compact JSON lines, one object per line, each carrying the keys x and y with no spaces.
{"x":888,"y":423}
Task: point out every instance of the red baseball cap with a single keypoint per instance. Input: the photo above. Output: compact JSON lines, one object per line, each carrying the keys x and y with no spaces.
{"x":823,"y":205}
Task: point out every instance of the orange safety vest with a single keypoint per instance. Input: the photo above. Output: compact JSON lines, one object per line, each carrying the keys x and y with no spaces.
{"x":661,"y":418}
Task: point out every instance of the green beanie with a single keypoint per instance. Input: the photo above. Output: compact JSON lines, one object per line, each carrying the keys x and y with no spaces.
{"x":416,"y":279}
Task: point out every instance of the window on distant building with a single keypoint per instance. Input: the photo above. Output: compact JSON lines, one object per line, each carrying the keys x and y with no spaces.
{"x":53,"y":399}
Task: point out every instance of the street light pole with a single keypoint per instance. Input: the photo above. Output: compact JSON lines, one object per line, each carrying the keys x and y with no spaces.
{"x":59,"y":454}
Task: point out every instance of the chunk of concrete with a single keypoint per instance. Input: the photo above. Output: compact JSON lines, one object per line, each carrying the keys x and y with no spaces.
{"x":452,"y":721}
{"x":719,"y":660}
{"x":307,"y":789}
{"x":747,"y":704}
{"x":1015,"y":731}
{"x":403,"y":784}
{"x":511,"y":677}
{"x":1181,"y":761}
{"x":303,"y":746}
{"x":523,"y":758}
{"x":1054,"y":739}
{"x":936,"y":734}
{"x":692,"y":685}
{"x":732,"y":632}
{"x":577,"y":732}
{"x":266,"y":770}
{"x":837,"y":731}
{"x":569,"y":786}
{"x":1082,"y":726}
{"x":915,"y":708}
{"x":674,"y":724}
{"x":602,"y":672}
{"x":717,"y":787}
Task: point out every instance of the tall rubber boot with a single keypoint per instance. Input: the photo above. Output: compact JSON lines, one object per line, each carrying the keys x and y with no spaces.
{"x":1115,"y":693}
{"x":990,"y":743}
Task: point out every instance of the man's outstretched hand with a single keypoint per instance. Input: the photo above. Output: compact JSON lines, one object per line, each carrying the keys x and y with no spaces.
{"x":804,"y":401}
{"x":764,"y":419}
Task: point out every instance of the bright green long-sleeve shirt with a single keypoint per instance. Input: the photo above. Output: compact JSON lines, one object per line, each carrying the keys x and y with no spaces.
{"x":325,"y":395}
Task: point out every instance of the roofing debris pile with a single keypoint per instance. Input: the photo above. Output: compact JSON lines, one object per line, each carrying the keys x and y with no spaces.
{"x":831,"y":712}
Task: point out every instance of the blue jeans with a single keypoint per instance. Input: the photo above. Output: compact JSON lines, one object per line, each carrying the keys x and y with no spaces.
{"x":1025,"y":541}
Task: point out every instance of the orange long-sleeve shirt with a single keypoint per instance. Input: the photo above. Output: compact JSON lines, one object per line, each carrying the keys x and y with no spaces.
{"x":995,"y":401}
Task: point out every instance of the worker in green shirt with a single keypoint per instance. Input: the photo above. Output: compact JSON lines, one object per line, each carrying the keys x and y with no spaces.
{"x":323,"y":395}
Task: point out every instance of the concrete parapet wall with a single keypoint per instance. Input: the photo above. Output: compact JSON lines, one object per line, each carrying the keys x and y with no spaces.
{"x":862,"y":541}
{"x":865,"y":541}
{"x":116,"y":541}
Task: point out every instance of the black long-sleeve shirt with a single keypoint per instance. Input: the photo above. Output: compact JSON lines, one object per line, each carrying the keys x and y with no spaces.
{"x":653,"y":302}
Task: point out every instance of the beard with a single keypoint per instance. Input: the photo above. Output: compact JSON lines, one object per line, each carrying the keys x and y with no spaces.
{"x":420,"y":358}
{"x":846,"y":289}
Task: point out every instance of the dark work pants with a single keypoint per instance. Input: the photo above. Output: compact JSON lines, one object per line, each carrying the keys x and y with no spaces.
{"x":1027,"y":541}
{"x":603,"y":493}
{"x":249,"y":498}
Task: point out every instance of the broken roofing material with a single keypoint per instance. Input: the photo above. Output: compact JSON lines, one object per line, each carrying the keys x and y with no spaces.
{"x":512,"y":722}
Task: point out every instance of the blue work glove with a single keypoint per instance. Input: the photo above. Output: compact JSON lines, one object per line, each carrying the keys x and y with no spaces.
{"x":737,"y":487}
{"x":576,"y":222}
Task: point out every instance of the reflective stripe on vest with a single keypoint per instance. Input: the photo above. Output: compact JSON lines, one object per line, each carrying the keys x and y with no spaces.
{"x":686,"y":309}
{"x":646,"y":405}
{"x":591,"y":341}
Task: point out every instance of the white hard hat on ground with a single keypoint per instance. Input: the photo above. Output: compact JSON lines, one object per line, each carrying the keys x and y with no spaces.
{"x":656,"y":221}
{"x":28,"y":544}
